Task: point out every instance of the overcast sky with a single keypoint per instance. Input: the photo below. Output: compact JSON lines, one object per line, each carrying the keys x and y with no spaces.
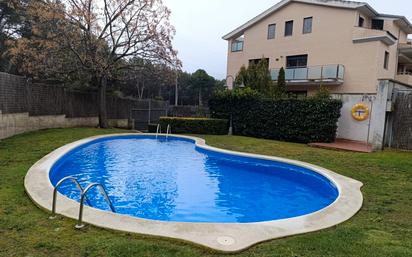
{"x":200,"y":25}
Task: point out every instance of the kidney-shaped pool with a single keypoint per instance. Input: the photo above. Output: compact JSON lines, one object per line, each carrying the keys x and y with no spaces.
{"x":173,"y":180}
{"x":179,"y":187}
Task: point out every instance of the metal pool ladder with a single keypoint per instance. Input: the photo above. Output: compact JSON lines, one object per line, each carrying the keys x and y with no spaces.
{"x":168,"y":131}
{"x":158,"y":130}
{"x":79,"y":224}
{"x":75,"y":181}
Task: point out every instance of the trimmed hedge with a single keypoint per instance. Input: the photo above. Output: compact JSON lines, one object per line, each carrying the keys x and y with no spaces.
{"x":203,"y":126}
{"x":294,"y":120}
{"x":151,"y":128}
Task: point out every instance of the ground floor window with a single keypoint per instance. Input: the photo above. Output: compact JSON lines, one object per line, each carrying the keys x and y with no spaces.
{"x":257,"y":61}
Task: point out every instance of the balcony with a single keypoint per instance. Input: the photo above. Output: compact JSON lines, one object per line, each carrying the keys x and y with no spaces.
{"x":362,"y":35}
{"x":405,"y":53}
{"x":404,"y":77}
{"x":326,"y":74}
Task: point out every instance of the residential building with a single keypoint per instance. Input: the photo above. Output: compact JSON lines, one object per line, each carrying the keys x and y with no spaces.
{"x":346,"y":46}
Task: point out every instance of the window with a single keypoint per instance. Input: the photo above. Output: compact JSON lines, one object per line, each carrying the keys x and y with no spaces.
{"x":297,"y":94}
{"x":377,"y":24}
{"x":361,"y":21}
{"x":307,"y":25}
{"x":237,"y":46}
{"x":257,"y":61}
{"x":297,"y":61}
{"x":271,"y":31}
{"x":386,"y":61}
{"x":288,"y":28}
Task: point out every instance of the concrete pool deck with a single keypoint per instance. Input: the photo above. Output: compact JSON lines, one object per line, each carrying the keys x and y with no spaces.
{"x":219,"y":236}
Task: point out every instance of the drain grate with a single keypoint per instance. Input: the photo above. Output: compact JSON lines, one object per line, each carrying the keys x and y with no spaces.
{"x":225,"y":240}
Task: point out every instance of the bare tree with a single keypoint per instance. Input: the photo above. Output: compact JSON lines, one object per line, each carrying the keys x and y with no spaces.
{"x":144,"y":79}
{"x":115,"y":30}
{"x":103,"y":34}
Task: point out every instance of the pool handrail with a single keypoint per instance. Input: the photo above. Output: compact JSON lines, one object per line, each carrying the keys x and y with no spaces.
{"x":158,"y":130}
{"x":80,"y":224}
{"x":69,"y":178}
{"x":168,"y":131}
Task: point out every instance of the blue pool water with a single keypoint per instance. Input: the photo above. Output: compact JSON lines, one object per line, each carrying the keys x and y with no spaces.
{"x":173,"y":180}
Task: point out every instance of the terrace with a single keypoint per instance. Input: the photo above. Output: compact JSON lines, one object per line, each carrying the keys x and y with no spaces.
{"x":405,"y":64}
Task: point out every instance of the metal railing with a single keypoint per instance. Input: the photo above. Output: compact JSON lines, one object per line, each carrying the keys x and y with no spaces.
{"x":404,"y":72}
{"x":75,"y":181}
{"x":334,"y":72}
{"x":158,"y":130}
{"x":80,"y":224}
{"x":82,"y":199}
{"x":168,"y":131}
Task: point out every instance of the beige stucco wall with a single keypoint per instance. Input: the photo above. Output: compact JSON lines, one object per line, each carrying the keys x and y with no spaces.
{"x":331,"y":42}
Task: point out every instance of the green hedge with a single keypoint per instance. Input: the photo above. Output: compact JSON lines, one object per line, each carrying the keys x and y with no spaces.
{"x":151,"y":128}
{"x":195,"y":125}
{"x":293,"y":120}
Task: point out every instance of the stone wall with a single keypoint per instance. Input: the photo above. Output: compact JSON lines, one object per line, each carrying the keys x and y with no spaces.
{"x":17,"y":123}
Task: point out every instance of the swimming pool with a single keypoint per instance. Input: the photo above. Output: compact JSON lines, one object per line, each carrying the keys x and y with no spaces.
{"x":182,"y":188}
{"x":173,"y":180}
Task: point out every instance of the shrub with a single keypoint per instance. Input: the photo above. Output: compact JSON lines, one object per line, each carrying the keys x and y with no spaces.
{"x":195,"y":125}
{"x":257,"y":77}
{"x":224,"y":102}
{"x":322,"y":93}
{"x":280,"y":87}
{"x":188,"y":111}
{"x":293,"y":120}
{"x":152,"y":128}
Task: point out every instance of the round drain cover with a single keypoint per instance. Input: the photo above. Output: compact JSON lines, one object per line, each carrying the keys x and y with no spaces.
{"x":226,"y":240}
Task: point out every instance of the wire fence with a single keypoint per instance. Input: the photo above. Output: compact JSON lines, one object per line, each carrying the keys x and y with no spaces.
{"x":18,"y":95}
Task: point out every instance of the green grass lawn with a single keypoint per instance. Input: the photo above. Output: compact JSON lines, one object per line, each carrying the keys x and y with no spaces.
{"x":382,"y":228}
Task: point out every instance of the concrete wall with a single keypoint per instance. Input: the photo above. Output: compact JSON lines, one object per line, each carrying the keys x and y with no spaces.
{"x":374,"y":130}
{"x":349,"y":128}
{"x":17,"y":123}
{"x":331,"y":42}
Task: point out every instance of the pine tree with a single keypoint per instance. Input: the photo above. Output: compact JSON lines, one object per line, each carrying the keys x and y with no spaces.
{"x":280,"y":89}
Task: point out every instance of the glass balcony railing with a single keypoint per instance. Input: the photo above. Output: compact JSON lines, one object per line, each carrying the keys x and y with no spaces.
{"x":325,"y":73}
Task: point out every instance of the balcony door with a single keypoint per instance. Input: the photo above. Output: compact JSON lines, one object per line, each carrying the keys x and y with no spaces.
{"x":296,"y":67}
{"x":297,"y":61}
